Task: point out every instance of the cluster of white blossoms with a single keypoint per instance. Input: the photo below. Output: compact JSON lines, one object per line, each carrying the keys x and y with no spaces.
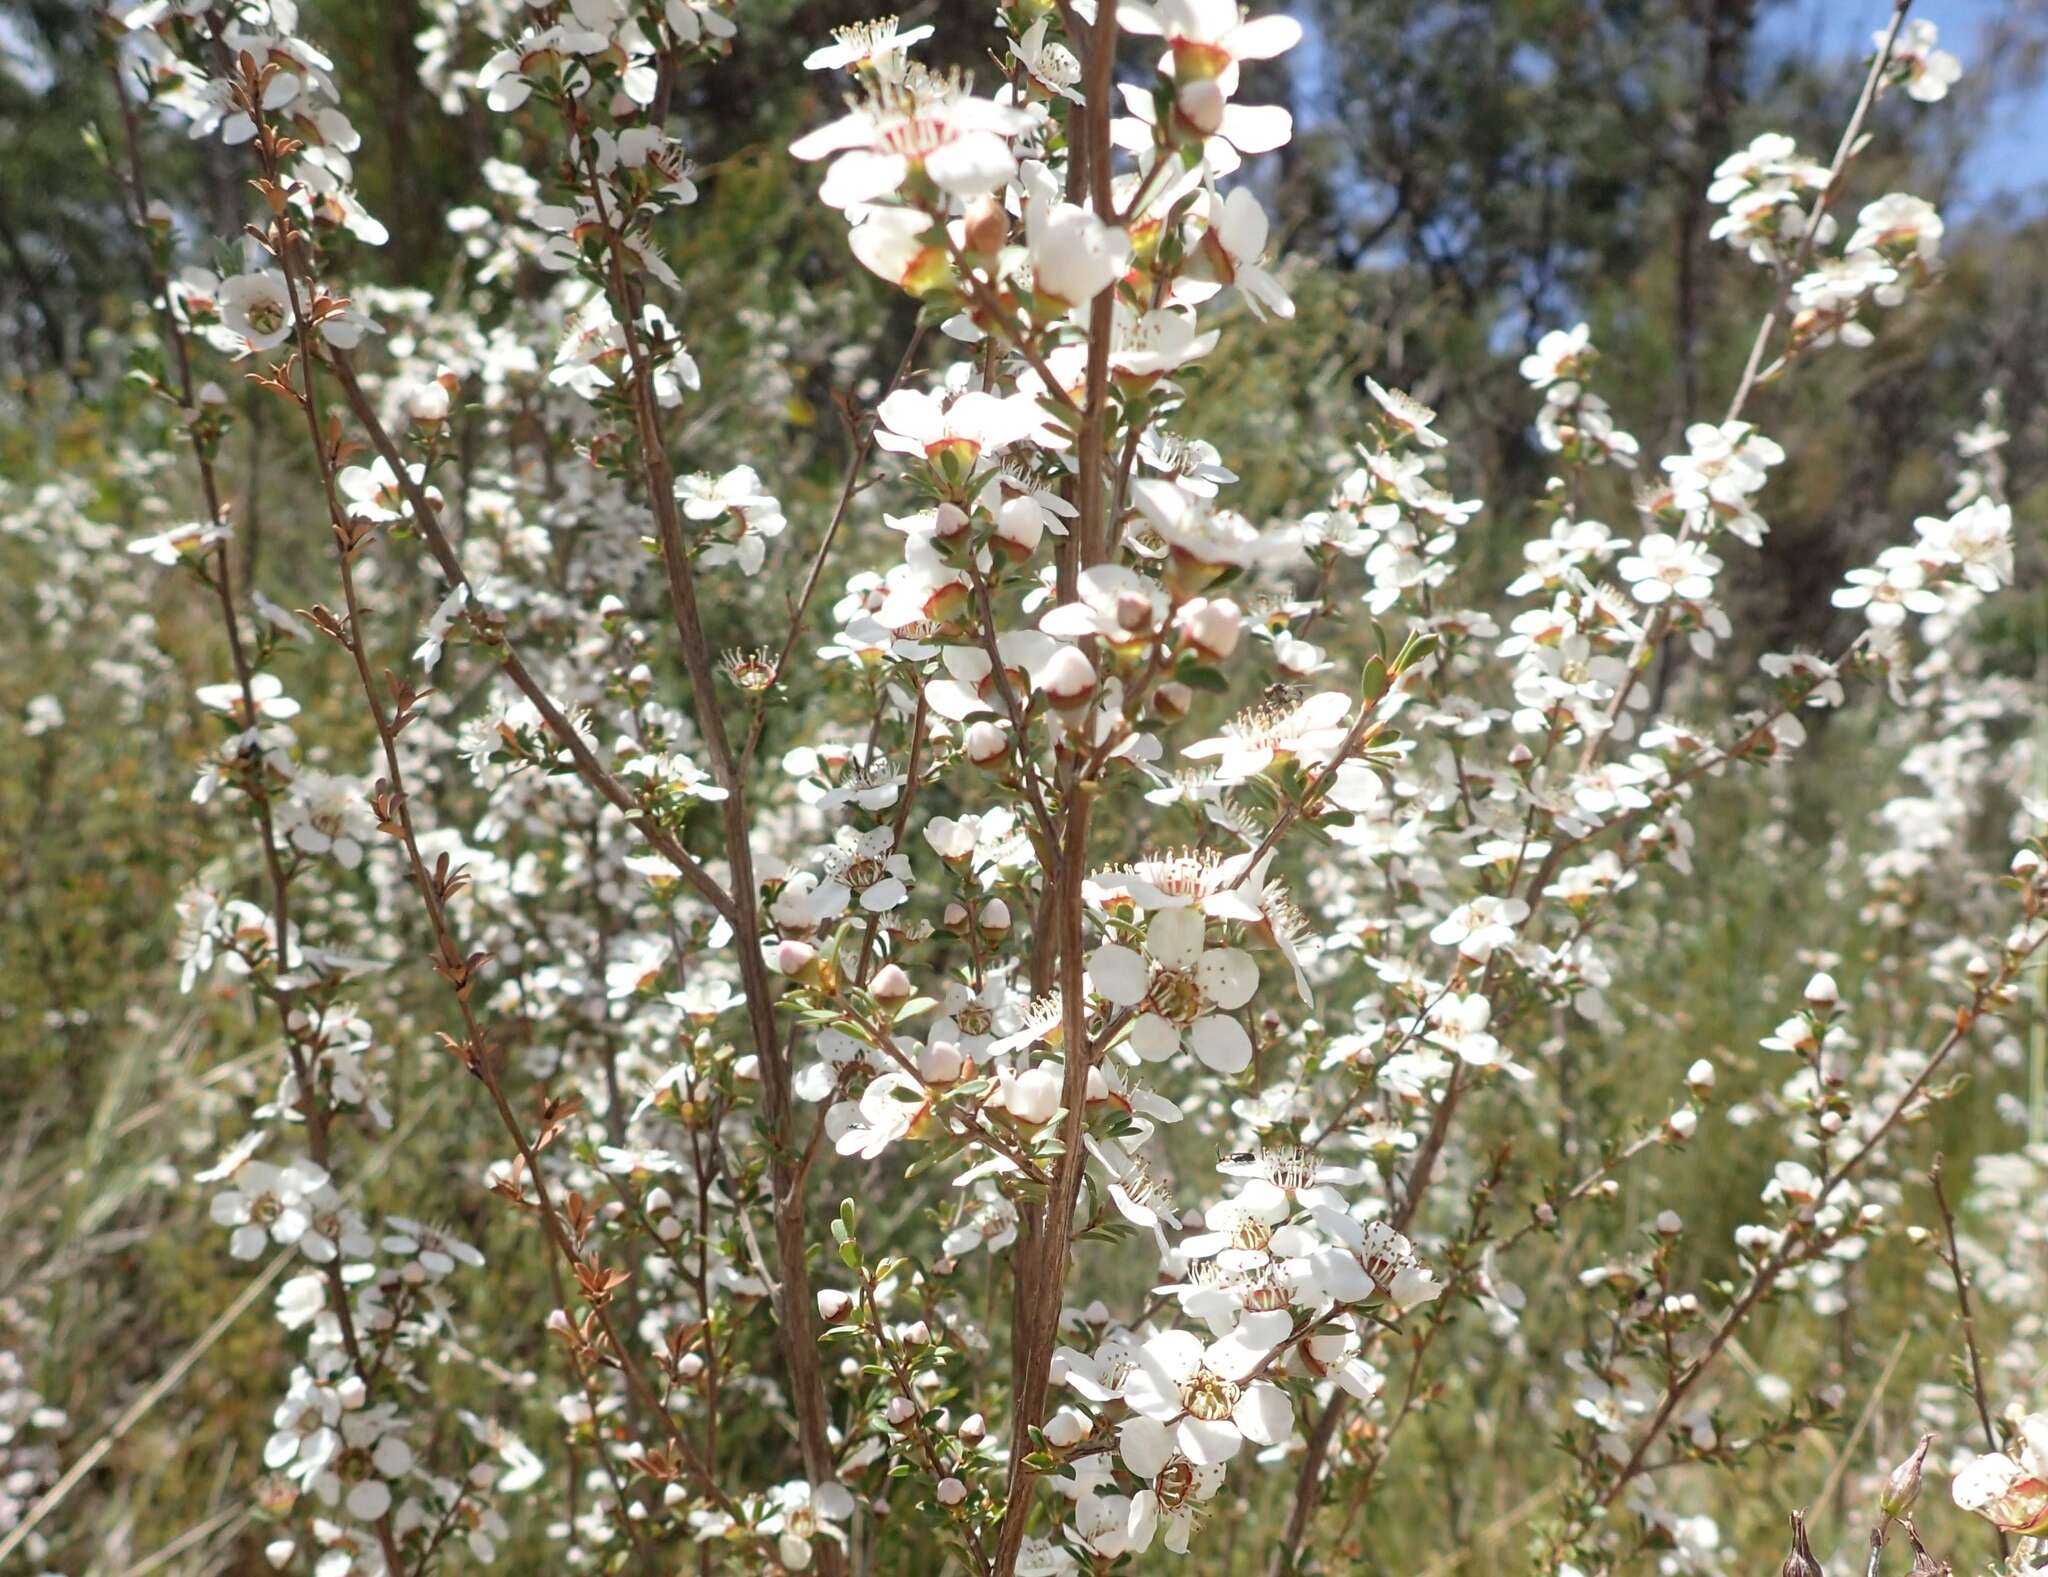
{"x":971,"y":875}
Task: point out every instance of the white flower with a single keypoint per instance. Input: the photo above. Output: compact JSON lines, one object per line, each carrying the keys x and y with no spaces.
{"x":1663,"y":567}
{"x":1407,"y":415}
{"x":1232,"y":248}
{"x":1186,"y":990}
{"x":756,"y":516}
{"x":2010,"y":1492}
{"x":1557,"y":355}
{"x":266,"y":690}
{"x":916,"y":423}
{"x":1308,"y":732}
{"x":958,"y":142}
{"x":889,"y":1108}
{"x":804,"y":1512}
{"x":268,"y":1202}
{"x":258,"y":307}
{"x":1200,"y":1401}
{"x":1929,"y":72}
{"x":1074,"y":255}
{"x":867,"y":46}
{"x":1480,"y":925}
{"x":1893,"y":588}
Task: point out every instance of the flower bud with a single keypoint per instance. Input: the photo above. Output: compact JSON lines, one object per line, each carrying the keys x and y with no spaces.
{"x":428,"y":404}
{"x":1669,"y":1224}
{"x":1681,"y":1125}
{"x":1902,"y":1488}
{"x":986,"y":743}
{"x":279,"y":1553}
{"x":1800,"y":1562}
{"x":995,"y":920}
{"x":1201,"y":104}
{"x":1065,"y":1429}
{"x":1821,"y":992}
{"x":940,"y":1062}
{"x":973,"y":1429}
{"x":950,"y":526}
{"x":692,"y":1366}
{"x":1033,"y":1095}
{"x":988,"y":227}
{"x":917,"y":1334}
{"x":792,"y":957}
{"x":891,"y":986}
{"x":1020,"y":526}
{"x":1068,"y":679}
{"x":900,"y":1410}
{"x":1172,"y":700}
{"x":1699,"y":1078}
{"x":951,"y":1492}
{"x":833,"y":1304}
{"x":1212,"y":626}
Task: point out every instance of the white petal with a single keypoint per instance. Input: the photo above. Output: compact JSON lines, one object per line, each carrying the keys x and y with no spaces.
{"x":1154,"y":1039}
{"x":1227,"y":976}
{"x":1175,"y":937}
{"x":1119,"y":974}
{"x":1263,"y":1415}
{"x":1221,"y":1043}
{"x":1146,"y":1446}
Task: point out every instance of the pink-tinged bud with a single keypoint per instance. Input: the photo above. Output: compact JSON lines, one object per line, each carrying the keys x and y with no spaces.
{"x":1520,"y":756}
{"x":986,"y":743}
{"x":1020,"y":526}
{"x":1201,"y":105}
{"x":995,"y":919}
{"x":1681,"y":1125}
{"x":658,"y":1200}
{"x":917,"y":1334}
{"x":559,"y":1322}
{"x":950,"y":526}
{"x":1133,"y":612}
{"x":900,"y":1410}
{"x":1668,"y":1224}
{"x":428,"y":404}
{"x":987,"y":228}
{"x":748,"y":1068}
{"x":951,"y":1492}
{"x":1033,"y":1095}
{"x":793,"y":958}
{"x":2027,"y":864}
{"x":834,"y":1305}
{"x":279,"y":1553}
{"x":1977,"y":970}
{"x":973,"y":1429}
{"x":691,"y":1368}
{"x":1172,"y":700}
{"x":1821,"y":992}
{"x":1212,"y":626}
{"x":940,"y":1062}
{"x":1065,"y":1429}
{"x":1068,"y":679}
{"x":955,"y":915}
{"x":891,"y":986}
{"x":1699,"y":1078}
{"x":276,"y":1494}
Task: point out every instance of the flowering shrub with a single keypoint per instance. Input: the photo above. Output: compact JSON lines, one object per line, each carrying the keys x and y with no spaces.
{"x":1061,"y":1028}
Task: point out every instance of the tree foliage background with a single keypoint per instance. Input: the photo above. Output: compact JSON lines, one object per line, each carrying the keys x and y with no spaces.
{"x":1469,"y":173}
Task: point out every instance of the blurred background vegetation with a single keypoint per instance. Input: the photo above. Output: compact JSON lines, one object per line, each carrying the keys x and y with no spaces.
{"x":1467,"y":173}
